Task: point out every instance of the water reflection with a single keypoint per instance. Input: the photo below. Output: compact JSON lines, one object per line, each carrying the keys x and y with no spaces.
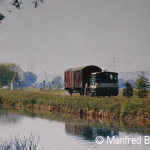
{"x":7,"y":117}
{"x":74,"y":124}
{"x":59,"y":131}
{"x":89,"y":133}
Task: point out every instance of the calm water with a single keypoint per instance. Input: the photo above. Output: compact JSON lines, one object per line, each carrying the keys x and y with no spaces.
{"x":60,"y":132}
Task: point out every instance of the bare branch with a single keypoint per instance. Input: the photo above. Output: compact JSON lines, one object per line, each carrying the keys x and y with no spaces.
{"x":16,"y":3}
{"x":1,"y":17}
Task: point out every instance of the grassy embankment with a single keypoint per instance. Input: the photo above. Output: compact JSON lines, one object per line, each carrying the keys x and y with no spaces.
{"x":113,"y":107}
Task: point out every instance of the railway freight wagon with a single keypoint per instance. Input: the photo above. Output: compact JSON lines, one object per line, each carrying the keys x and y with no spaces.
{"x":78,"y":79}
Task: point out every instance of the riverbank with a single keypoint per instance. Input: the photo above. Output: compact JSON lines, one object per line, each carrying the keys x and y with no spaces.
{"x":127,"y":109}
{"x":129,"y":127}
{"x":47,"y":127}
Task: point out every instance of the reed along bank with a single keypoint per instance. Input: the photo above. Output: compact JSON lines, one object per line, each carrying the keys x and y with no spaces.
{"x":128,"y":109}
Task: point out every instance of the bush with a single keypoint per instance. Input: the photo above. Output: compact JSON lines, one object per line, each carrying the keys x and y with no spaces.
{"x":25,"y":101}
{"x":33,"y":101}
{"x":128,"y":90}
{"x":1,"y":100}
{"x":132,"y":107}
{"x":141,"y":93}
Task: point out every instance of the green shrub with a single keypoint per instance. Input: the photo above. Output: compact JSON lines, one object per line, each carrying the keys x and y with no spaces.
{"x":132,"y":107}
{"x":33,"y":101}
{"x":25,"y":101}
{"x":1,"y":100}
{"x":141,"y":93}
{"x":128,"y":90}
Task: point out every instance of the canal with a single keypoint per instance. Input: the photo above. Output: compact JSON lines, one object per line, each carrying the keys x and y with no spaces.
{"x":67,"y":132}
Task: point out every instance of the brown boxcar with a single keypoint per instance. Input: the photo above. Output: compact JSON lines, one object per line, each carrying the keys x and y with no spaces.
{"x":77,"y":78}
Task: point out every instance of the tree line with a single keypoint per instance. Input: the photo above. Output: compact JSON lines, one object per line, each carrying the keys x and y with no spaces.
{"x":11,"y":71}
{"x":57,"y":83}
{"x":21,"y":79}
{"x":140,"y":89}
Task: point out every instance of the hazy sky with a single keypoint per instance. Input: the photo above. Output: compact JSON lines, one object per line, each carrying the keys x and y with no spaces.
{"x":62,"y":34}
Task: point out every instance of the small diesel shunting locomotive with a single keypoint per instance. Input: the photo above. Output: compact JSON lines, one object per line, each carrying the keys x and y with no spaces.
{"x":90,"y":80}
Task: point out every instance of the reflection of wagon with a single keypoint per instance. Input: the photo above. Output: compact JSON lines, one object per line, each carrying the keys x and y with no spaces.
{"x":90,"y":133}
{"x":91,"y":80}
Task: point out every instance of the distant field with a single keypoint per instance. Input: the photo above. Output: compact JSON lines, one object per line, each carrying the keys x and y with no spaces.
{"x":63,"y":92}
{"x":46,"y":91}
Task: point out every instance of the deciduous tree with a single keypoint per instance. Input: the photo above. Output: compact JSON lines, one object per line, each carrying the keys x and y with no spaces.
{"x":142,"y":85}
{"x":7,"y":72}
{"x":58,"y":82}
{"x":29,"y":79}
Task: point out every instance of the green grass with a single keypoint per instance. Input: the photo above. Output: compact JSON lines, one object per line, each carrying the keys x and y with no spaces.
{"x":119,"y":105}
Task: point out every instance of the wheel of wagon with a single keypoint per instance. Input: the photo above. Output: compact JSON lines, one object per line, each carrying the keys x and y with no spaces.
{"x":92,"y":94}
{"x":71,"y":91}
{"x":81,"y":93}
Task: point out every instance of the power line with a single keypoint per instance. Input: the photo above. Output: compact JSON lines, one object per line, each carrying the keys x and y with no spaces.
{"x":113,"y":64}
{"x":31,"y":66}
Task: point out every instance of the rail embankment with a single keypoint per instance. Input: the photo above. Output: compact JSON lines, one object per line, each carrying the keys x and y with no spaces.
{"x":128,"y":109}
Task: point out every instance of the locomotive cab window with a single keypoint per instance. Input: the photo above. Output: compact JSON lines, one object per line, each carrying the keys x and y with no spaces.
{"x":115,"y":78}
{"x":106,"y":77}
